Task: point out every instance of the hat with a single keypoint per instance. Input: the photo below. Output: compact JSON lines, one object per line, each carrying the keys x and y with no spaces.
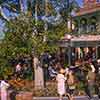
{"x":77,"y":64}
{"x":62,"y":71}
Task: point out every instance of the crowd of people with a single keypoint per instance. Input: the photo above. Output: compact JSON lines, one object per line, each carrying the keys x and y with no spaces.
{"x":84,"y":71}
{"x":87,"y":73}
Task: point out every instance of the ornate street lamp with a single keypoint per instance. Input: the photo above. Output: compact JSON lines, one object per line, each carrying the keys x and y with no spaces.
{"x":69,"y":37}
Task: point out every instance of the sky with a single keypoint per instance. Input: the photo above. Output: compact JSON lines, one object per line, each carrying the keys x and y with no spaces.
{"x":1,"y":29}
{"x":2,"y":25}
{"x":80,"y":2}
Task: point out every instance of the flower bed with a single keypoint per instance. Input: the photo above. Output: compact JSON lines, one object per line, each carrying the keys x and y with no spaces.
{"x":24,"y":96}
{"x":51,"y":90}
{"x":28,"y":90}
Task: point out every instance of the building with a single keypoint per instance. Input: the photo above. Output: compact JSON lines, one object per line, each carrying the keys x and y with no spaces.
{"x":87,"y":19}
{"x":86,"y":34}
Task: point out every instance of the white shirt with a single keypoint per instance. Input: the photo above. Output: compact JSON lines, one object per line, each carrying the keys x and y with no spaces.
{"x":4,"y":85}
{"x":61,"y":84}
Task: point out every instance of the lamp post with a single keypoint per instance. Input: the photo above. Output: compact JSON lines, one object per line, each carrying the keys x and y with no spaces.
{"x":69,"y":48}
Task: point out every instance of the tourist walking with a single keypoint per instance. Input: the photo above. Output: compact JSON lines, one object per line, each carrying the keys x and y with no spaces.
{"x":98,"y":78}
{"x":61,"y":83}
{"x":92,"y":84}
{"x":91,"y":79}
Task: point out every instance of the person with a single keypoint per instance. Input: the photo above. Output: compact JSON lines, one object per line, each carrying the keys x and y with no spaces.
{"x":92,"y":84}
{"x":52,"y":71}
{"x":67,"y":87}
{"x":45,"y":59}
{"x":18,"y":70}
{"x":3,"y":89}
{"x":81,"y":76}
{"x":61,"y":83}
{"x":91,"y":78}
{"x":98,"y":80}
{"x":71,"y":84}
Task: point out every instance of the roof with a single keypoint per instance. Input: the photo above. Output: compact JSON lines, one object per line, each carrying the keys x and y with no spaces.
{"x":88,"y":9}
{"x":86,"y":38}
{"x":82,"y":38}
{"x":81,"y":41}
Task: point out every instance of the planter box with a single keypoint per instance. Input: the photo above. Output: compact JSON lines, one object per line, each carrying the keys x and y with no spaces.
{"x":24,"y":96}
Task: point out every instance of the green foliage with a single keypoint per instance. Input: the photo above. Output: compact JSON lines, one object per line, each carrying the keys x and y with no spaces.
{"x":17,"y":41}
{"x":51,"y":90}
{"x":23,"y":34}
{"x":18,"y":36}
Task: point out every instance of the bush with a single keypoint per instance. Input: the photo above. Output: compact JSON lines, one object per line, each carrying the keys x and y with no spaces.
{"x":50,"y":90}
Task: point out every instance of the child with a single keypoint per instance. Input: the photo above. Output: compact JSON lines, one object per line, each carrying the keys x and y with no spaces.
{"x":61,"y":83}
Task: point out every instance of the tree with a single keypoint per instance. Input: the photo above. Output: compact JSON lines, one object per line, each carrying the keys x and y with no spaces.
{"x":11,"y":6}
{"x":55,"y":9}
{"x":17,"y":40}
{"x":22,"y":35}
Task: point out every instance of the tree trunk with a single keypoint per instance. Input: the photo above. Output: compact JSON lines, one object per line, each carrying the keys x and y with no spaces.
{"x":39,"y":79}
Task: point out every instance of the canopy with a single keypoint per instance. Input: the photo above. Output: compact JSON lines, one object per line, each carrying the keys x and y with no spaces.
{"x":80,"y":41}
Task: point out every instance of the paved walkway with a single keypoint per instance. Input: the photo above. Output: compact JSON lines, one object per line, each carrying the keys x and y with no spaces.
{"x":65,"y":98}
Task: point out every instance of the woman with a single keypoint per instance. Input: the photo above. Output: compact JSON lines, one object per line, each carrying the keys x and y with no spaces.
{"x":3,"y":89}
{"x":61,"y":83}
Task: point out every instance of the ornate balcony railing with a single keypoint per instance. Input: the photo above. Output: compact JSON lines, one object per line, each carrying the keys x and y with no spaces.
{"x":86,"y":30}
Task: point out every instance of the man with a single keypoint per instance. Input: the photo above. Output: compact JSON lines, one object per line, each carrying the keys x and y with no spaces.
{"x":81,"y":75}
{"x":97,"y":80}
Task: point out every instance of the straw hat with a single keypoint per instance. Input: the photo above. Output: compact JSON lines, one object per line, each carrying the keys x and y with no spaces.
{"x":62,"y":71}
{"x":77,"y":63}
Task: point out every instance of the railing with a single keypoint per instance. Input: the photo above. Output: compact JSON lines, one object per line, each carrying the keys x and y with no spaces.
{"x":86,"y":30}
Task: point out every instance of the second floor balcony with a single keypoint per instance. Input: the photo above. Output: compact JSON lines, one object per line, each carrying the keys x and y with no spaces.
{"x":87,"y":29}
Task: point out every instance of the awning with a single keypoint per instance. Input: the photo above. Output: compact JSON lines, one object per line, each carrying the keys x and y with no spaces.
{"x":80,"y":41}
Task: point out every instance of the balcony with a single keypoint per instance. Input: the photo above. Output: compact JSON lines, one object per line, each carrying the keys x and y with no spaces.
{"x":86,"y":29}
